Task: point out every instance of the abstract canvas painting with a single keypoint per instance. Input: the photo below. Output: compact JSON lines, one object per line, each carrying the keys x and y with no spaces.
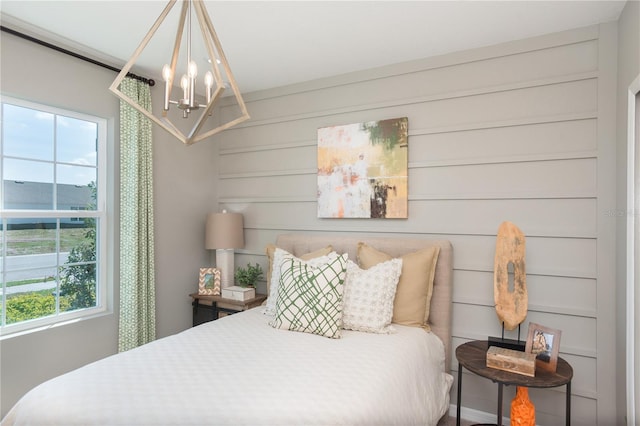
{"x":362,"y":170}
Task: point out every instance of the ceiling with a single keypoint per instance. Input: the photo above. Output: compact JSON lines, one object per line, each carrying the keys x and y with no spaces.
{"x":272,"y":43}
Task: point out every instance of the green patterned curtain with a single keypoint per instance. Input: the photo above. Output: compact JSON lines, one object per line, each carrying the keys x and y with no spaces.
{"x":137,"y":271}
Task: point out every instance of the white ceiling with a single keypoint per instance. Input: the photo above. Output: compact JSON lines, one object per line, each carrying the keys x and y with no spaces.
{"x":270,"y":44}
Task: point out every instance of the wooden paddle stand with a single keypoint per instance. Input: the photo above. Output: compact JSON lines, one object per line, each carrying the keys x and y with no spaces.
{"x":502,"y":342}
{"x":511,"y":303}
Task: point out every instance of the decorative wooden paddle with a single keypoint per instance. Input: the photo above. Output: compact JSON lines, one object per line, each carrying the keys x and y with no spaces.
{"x":511,"y":305}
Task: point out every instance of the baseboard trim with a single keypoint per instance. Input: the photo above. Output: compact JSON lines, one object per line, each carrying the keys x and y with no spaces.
{"x":475,"y":416}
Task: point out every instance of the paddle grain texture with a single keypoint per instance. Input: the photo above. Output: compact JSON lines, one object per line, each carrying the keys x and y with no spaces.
{"x":511,"y":304}
{"x":510,"y":360}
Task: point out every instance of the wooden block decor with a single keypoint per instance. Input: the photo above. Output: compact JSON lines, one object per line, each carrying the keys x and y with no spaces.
{"x":512,"y":361}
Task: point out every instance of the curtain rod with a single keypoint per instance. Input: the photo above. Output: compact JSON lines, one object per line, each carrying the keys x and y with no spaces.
{"x":149,"y":81}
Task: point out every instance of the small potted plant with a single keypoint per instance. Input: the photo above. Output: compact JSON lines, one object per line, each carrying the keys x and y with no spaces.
{"x":249,"y":276}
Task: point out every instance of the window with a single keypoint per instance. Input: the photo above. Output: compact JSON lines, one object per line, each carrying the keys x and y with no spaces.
{"x":54,"y":218}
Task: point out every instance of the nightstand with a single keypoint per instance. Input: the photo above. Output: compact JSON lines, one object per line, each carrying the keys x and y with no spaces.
{"x":210,"y":308}
{"x":473,"y":356}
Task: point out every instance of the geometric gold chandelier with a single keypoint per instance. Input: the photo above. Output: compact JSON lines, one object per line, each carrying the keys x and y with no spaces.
{"x":186,"y":100}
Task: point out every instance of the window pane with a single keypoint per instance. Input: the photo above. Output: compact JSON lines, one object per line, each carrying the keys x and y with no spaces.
{"x":27,"y":171}
{"x":29,"y":299}
{"x":78,"y":244}
{"x":1,"y":273}
{"x":33,"y":279}
{"x":76,"y":188}
{"x":77,"y":287}
{"x":31,"y":269}
{"x":78,"y":270}
{"x":75,"y":234}
{"x":1,"y":251}
{"x":29,"y":305}
{"x":76,"y":141}
{"x":75,"y":175}
{"x":27,"y":185}
{"x":27,"y":133}
{"x":26,"y":237}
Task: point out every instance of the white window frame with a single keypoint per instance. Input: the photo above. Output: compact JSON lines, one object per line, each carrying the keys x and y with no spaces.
{"x":100,"y":213}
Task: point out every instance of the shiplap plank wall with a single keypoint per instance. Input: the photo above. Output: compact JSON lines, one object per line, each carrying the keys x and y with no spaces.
{"x":502,"y":133}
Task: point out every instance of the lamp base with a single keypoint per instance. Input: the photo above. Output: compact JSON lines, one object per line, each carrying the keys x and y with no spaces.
{"x":225,"y":263}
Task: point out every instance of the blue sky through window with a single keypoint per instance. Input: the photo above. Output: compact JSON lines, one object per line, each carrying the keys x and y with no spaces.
{"x":30,"y":137}
{"x":27,"y":133}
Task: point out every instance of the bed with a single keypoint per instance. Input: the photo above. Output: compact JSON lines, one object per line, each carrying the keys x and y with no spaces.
{"x":241,"y":370}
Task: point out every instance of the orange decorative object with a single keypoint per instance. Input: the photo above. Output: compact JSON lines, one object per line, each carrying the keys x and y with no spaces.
{"x":523,"y":412}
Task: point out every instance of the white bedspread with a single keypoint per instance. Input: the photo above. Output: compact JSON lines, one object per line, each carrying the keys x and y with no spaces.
{"x":239,"y":370}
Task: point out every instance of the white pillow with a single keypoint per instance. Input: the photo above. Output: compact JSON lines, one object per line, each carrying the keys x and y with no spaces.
{"x":278,"y":256}
{"x":368,"y":296}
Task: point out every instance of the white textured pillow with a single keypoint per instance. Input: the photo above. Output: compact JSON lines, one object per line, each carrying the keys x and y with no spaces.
{"x":310,"y":298}
{"x":278,"y":256}
{"x":368,"y":296}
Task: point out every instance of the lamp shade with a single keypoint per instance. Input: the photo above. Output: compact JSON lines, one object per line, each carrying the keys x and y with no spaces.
{"x":224,"y":231}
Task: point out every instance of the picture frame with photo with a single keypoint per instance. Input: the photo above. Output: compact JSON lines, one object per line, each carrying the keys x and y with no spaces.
{"x":209,"y":282}
{"x":544,"y":343}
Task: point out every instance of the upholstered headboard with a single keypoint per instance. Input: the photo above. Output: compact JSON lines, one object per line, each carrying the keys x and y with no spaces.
{"x":441,"y":301}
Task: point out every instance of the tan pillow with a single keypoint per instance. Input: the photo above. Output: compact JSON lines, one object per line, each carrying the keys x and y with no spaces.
{"x":271,"y":249}
{"x":413,"y":295}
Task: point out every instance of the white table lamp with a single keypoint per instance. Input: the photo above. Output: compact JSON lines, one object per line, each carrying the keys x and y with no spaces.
{"x":224,"y":233}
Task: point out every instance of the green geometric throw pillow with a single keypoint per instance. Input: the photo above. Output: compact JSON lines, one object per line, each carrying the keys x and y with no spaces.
{"x":310,"y":297}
